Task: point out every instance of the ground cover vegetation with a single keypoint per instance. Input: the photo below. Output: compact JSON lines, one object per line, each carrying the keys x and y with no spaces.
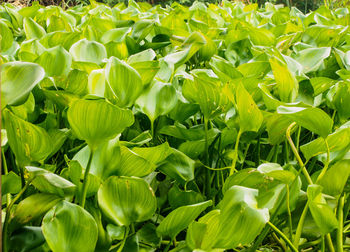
{"x":201,"y":128}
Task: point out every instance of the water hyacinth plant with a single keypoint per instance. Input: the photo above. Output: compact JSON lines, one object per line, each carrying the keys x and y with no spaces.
{"x":204,"y":128}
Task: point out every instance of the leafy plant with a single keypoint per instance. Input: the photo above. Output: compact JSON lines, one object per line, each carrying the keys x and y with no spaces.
{"x":209,"y":127}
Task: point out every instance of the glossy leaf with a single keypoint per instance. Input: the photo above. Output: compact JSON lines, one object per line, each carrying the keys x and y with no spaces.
{"x":88,"y":51}
{"x":77,"y":228}
{"x":125,"y":200}
{"x":17,"y":81}
{"x":86,"y":121}
{"x":313,"y":119}
{"x":180,"y":218}
{"x":124,"y":82}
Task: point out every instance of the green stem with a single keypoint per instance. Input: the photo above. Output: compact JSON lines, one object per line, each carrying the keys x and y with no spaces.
{"x":289,"y":213}
{"x":233,"y":167}
{"x":8,"y":195}
{"x":325,"y":167}
{"x":300,"y":226}
{"x":168,"y":246}
{"x":7,"y":217}
{"x":295,"y":151}
{"x":330,"y":243}
{"x":207,"y":172}
{"x":340,"y":223}
{"x":85,"y":182}
{"x":120,"y":249}
{"x":282,"y":235}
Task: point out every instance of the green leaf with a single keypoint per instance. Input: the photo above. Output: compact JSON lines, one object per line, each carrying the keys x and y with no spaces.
{"x":178,"y":166}
{"x":146,"y":69}
{"x":321,"y":84}
{"x":240,"y":218}
{"x":34,"y":206}
{"x":250,"y":117}
{"x":205,"y":89}
{"x":337,"y":141}
{"x":321,"y":212}
{"x":224,"y":69}
{"x":312,"y":58}
{"x":32,"y":29}
{"x":26,"y":238}
{"x":88,"y":51}
{"x":158,"y":100}
{"x":6,"y":37}
{"x":180,"y":218}
{"x":28,"y":141}
{"x":56,"y":61}
{"x":77,"y":229}
{"x":341,"y":99}
{"x":313,"y":119}
{"x":10,"y":183}
{"x":49,"y":182}
{"x":287,"y":84}
{"x":97,"y":82}
{"x":125,"y":200}
{"x":334,"y":181}
{"x":17,"y":81}
{"x":124,"y":82}
{"x":96,"y":121}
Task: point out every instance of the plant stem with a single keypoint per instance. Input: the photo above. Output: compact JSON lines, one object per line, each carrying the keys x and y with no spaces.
{"x":300,"y":226}
{"x":7,"y":217}
{"x":207,"y":172}
{"x":295,"y":151}
{"x":325,"y":167}
{"x":330,"y":243}
{"x":289,"y":213}
{"x":282,"y":235}
{"x":120,"y":249}
{"x":340,"y":223}
{"x":235,"y":152}
{"x":8,"y":195}
{"x":168,"y":246}
{"x":85,"y":182}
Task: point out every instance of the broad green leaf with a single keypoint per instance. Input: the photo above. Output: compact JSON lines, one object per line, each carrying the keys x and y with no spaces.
{"x":34,"y":206}
{"x":30,"y":50}
{"x":321,"y":212}
{"x":337,"y":141}
{"x":125,"y":200}
{"x":341,"y":99}
{"x":10,"y":183}
{"x":240,"y":218}
{"x":56,"y":61}
{"x":146,"y":69}
{"x":250,"y":117}
{"x":312,"y":58}
{"x":96,"y":120}
{"x":202,"y":234}
{"x":178,"y":166}
{"x":158,"y":100}
{"x":205,"y":89}
{"x":6,"y":37}
{"x":180,"y":218}
{"x":49,"y":182}
{"x":146,"y":55}
{"x":224,"y":69}
{"x":124,"y":81}
{"x":287,"y":84}
{"x":97,"y":82}
{"x":178,"y":198}
{"x":28,"y":141}
{"x":77,"y":229}
{"x":116,"y":35}
{"x":276,"y":126}
{"x":88,"y":51}
{"x":321,"y":84}
{"x":335,"y":179}
{"x":17,"y":81}
{"x":313,"y":119}
{"x":27,"y":238}
{"x":32,"y":29}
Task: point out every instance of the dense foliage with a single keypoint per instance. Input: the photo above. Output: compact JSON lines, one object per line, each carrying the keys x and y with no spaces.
{"x":201,"y":128}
